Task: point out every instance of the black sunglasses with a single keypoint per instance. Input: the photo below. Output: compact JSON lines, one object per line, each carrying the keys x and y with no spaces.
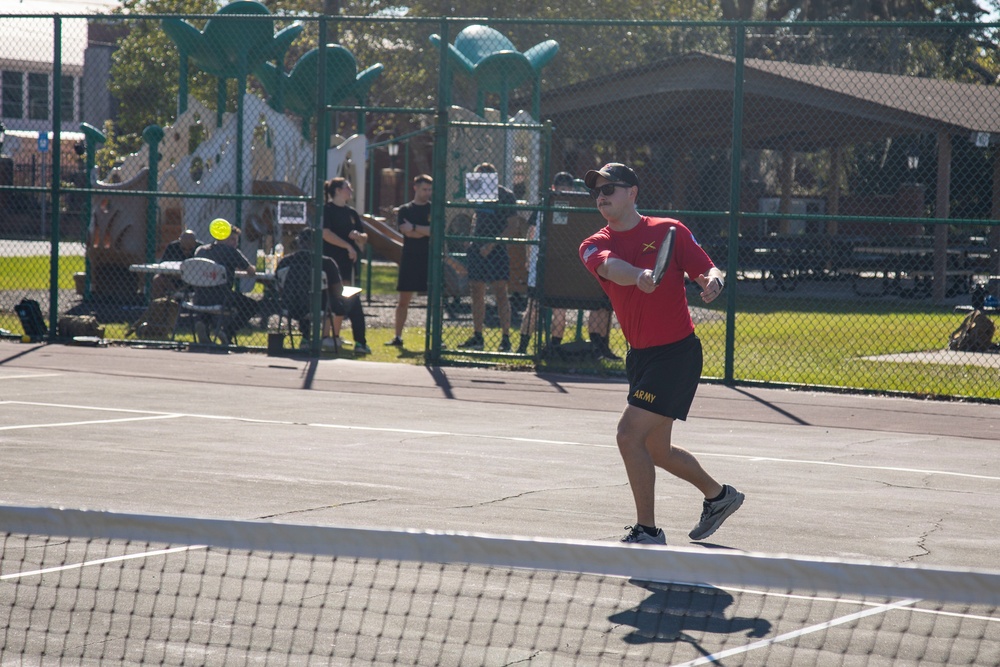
{"x":607,"y":189}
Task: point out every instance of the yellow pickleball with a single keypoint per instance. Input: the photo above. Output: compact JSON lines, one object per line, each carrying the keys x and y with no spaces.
{"x":220,"y":229}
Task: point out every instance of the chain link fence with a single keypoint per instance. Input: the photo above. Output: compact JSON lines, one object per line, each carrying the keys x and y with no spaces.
{"x":843,"y":175}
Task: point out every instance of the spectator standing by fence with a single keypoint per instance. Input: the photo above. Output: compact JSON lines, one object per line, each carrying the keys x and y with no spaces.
{"x":489,"y":263}
{"x":414,"y":222}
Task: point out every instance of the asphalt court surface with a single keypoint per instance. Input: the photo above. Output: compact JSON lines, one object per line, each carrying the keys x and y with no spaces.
{"x":353,"y":443}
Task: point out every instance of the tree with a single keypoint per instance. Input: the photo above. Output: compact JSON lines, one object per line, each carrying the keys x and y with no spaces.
{"x":144,"y":74}
{"x":145,"y":68}
{"x":940,"y":50}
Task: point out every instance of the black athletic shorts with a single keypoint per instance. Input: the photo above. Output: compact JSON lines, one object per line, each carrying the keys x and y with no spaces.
{"x":495,"y":267}
{"x":412,"y":273}
{"x":664,"y":379}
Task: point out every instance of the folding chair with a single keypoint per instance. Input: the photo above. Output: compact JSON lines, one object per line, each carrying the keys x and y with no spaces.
{"x":285,"y":308}
{"x":293,"y":283}
{"x":200,"y":272}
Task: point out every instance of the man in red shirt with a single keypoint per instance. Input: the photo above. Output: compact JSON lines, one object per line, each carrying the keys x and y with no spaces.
{"x":664,"y":360}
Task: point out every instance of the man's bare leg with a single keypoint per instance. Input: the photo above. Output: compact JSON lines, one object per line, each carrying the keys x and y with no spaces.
{"x":678,"y":461}
{"x":644,"y":443}
{"x":478,"y":292}
{"x":503,"y":305}
{"x":402,"y":309}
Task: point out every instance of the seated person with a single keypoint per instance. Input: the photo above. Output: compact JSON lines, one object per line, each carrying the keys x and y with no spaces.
{"x":295,"y":295}
{"x":178,"y":250}
{"x":241,"y":307}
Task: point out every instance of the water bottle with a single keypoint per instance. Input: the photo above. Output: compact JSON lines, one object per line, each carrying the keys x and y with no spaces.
{"x":279,"y":252}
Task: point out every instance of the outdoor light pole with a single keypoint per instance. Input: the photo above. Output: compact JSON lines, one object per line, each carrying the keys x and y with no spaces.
{"x":393,"y":149}
{"x":913,"y":162}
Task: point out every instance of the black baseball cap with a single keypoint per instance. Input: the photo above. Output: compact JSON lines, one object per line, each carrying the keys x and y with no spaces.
{"x":563,"y":178}
{"x":613,"y":171}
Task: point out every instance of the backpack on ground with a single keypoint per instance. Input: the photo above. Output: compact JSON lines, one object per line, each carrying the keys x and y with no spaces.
{"x":974,"y":334}
{"x":30,"y":314}
{"x":72,"y":326}
{"x":158,"y":322}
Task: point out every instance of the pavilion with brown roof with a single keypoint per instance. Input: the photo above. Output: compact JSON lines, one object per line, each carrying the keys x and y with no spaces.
{"x":787,"y":107}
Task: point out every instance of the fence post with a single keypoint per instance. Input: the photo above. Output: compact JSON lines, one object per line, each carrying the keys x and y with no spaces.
{"x":322,"y":144}
{"x":152,"y":135}
{"x":435,"y":283}
{"x":55,"y":148}
{"x":93,"y":137}
{"x":942,"y":211}
{"x":734,"y":202}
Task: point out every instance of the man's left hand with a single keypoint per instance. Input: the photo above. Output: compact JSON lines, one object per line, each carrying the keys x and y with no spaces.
{"x":711,"y":289}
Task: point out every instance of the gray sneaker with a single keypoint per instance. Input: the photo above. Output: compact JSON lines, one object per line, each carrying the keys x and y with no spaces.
{"x":713,"y":514}
{"x":637,"y":535}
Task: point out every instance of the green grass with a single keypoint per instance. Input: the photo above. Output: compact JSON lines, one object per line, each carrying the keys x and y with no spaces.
{"x":778,"y":339}
{"x":32,"y":273}
{"x":383,"y":278}
{"x":800,"y":346}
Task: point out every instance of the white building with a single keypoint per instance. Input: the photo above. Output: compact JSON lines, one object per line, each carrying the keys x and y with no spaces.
{"x":27,"y":38}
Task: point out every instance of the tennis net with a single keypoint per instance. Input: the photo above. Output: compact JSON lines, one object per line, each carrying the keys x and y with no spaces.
{"x":97,"y":588}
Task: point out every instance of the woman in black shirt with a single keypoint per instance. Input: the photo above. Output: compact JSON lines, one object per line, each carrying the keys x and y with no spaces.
{"x":343,"y":238}
{"x":343,"y":233}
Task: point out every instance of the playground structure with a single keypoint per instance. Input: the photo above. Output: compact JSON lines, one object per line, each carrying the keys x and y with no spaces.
{"x":512,"y":143}
{"x":496,"y":66}
{"x":265,"y":146}
{"x":258,"y":150}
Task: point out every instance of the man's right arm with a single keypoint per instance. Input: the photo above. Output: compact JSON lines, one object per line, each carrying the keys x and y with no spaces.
{"x":622,"y":273}
{"x":244,"y":263}
{"x":333,"y":238}
{"x":420,"y":231}
{"x":618,"y":271}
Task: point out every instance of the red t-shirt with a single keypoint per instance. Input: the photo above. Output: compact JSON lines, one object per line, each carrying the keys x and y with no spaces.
{"x":662,"y":317}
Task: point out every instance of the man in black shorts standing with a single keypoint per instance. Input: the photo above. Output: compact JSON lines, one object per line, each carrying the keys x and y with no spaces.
{"x":664,"y":360}
{"x":414,"y":222}
{"x":489,"y":263}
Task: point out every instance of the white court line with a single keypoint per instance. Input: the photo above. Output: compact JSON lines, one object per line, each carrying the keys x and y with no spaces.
{"x":88,"y":423}
{"x":863,"y":603}
{"x":88,"y":407}
{"x":487,"y":436}
{"x":280,"y":422}
{"x":836,"y":464}
{"x":764,"y":643}
{"x":101,"y":561}
{"x":491,"y":436}
{"x":24,"y":377}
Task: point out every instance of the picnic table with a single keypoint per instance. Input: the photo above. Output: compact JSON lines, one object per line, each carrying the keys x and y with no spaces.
{"x":907,"y":268}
